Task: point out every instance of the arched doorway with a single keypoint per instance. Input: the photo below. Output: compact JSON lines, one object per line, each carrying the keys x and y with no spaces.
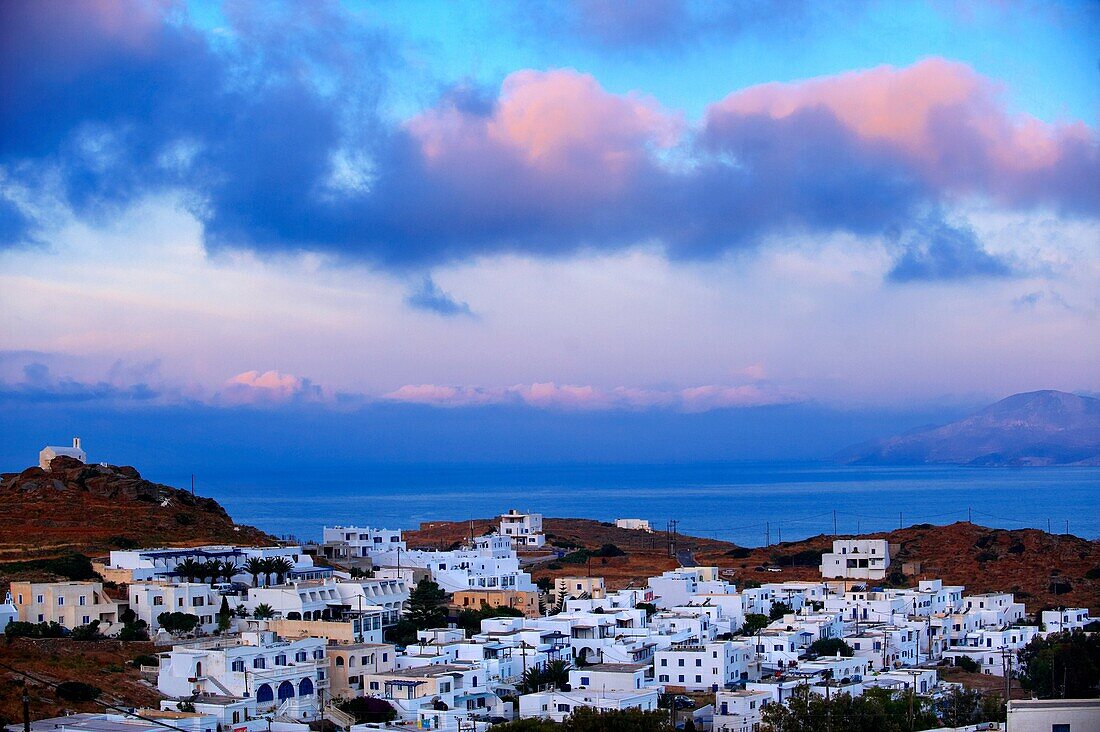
{"x":264,"y":694}
{"x":305,"y":688}
{"x":286,"y":690}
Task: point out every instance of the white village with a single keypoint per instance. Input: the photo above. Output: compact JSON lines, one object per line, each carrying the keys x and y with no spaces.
{"x":280,"y":637}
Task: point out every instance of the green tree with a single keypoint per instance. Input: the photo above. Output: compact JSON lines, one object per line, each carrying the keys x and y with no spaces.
{"x":962,"y":707}
{"x":649,"y":607}
{"x":263,"y":611}
{"x":753,"y":623}
{"x":554,"y":674}
{"x":779,"y":609}
{"x":1065,"y":665}
{"x":426,"y":605}
{"x":176,"y":623}
{"x":225,"y":615}
{"x":831,"y":647}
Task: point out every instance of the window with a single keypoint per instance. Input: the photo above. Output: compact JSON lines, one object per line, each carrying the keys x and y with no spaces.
{"x":83,"y":600}
{"x":664,"y":661}
{"x":85,"y":620}
{"x":238,"y":665}
{"x":158,"y":600}
{"x":585,"y":681}
{"x":61,"y":601}
{"x":40,"y":599}
{"x":259,"y":663}
{"x":1059,"y":728}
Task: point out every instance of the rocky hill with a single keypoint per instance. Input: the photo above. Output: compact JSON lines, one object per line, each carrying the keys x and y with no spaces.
{"x":1042,"y":569}
{"x":1036,"y":428}
{"x":73,"y":507}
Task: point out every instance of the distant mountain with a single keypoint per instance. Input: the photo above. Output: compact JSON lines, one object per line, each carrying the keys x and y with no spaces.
{"x":1035,"y":428}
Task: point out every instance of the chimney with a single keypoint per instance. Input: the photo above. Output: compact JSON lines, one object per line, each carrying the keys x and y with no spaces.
{"x":76,"y":442}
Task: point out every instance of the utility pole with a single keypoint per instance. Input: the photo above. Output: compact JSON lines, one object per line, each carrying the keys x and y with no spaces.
{"x":767,"y":533}
{"x":834,"y":533}
{"x":1007,"y":670}
{"x":26,"y":708}
{"x":192,"y":485}
{"x":969,"y":520}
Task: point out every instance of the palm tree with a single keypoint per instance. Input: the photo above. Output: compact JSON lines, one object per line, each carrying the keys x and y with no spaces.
{"x":211,"y":569}
{"x":255,"y":567}
{"x":190,"y":568}
{"x":281,"y":566}
{"x":263,"y":611}
{"x":228,"y":570}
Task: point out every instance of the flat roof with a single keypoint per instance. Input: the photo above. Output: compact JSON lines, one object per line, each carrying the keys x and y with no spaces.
{"x":620,"y":668}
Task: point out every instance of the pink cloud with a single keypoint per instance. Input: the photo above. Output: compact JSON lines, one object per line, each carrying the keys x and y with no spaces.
{"x":947,"y":120}
{"x":570,"y":397}
{"x":253,"y":387}
{"x":553,"y":128}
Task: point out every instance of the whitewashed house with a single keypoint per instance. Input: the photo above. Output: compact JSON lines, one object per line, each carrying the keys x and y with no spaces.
{"x":280,"y":675}
{"x":856,"y":559}
{"x":525,"y":529}
{"x":1053,"y":621}
{"x":557,"y":705}
{"x":739,"y":711}
{"x":706,"y":667}
{"x":149,"y":599}
{"x":612,"y":677}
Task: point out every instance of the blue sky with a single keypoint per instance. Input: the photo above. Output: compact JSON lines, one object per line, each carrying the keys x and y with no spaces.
{"x":668,"y":215}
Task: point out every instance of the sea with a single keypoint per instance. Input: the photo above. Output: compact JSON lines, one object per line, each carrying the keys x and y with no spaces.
{"x":750,"y":504}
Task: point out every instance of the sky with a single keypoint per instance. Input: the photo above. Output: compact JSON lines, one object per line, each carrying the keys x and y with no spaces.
{"x":585,"y":229}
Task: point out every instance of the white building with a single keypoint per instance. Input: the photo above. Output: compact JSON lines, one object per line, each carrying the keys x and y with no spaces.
{"x":362,"y":541}
{"x":491,"y":564}
{"x":612,"y":677}
{"x":525,"y":529}
{"x":143,"y":565}
{"x":634,"y":524}
{"x":281,"y":676}
{"x":557,"y":705}
{"x":706,"y":667}
{"x":154,"y":721}
{"x":856,"y":559}
{"x":49,"y":452}
{"x":1054,"y":715}
{"x":739,"y":711}
{"x":1053,"y":621}
{"x":149,"y":599}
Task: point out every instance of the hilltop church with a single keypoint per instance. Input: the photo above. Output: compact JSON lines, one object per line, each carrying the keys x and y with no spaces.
{"x":49,"y":452}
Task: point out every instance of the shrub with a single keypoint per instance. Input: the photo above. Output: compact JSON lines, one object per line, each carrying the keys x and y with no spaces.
{"x":1093,"y":573}
{"x":966,"y":664}
{"x":609,"y":550}
{"x":86,"y":632}
{"x":176,"y":622}
{"x":76,"y":691}
{"x":367,"y":709}
{"x":145,"y":660}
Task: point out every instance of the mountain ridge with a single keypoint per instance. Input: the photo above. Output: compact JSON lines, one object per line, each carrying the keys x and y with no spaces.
{"x":1038,"y":428}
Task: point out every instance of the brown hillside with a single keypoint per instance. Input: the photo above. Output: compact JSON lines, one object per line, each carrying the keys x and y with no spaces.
{"x":1042,"y":569}
{"x":94,"y":508}
{"x":104,"y":664}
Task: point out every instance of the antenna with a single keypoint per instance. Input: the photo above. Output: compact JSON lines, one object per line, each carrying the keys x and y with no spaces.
{"x":192,"y":485}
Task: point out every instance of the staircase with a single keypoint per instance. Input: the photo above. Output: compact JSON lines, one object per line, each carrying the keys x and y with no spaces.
{"x":340,"y":718}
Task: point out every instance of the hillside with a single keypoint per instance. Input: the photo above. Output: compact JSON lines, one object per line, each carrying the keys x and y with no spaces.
{"x":1042,"y":569}
{"x":90,"y":509}
{"x":1036,"y":428}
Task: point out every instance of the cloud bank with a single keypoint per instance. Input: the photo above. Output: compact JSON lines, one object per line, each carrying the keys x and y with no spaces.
{"x":287,"y":146}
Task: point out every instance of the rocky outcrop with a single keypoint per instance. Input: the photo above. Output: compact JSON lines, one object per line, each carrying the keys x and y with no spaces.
{"x":98,"y":507}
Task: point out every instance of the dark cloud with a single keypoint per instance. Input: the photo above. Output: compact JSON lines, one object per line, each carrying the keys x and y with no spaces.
{"x":939,"y":251}
{"x":429,"y":296}
{"x":40,"y":386}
